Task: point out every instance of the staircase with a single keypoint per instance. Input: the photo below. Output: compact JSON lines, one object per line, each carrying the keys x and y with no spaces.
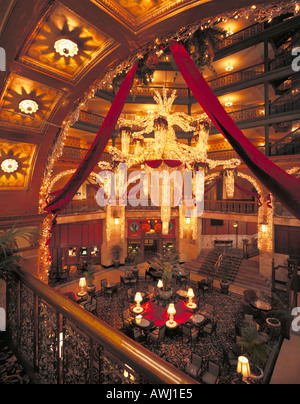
{"x":241,"y":272}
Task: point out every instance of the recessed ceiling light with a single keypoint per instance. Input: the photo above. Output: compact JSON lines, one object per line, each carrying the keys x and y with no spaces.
{"x":28,"y":106}
{"x":66,"y":48}
{"x":9,"y":165}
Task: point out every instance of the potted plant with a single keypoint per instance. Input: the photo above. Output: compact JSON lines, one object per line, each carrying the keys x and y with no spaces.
{"x":116,"y":251}
{"x":90,"y":277}
{"x":9,"y":257}
{"x":164,"y":264}
{"x":256,"y":350}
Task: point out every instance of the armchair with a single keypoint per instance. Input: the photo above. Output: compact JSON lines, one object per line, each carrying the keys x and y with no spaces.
{"x":212,"y":374}
{"x":157,"y":334}
{"x":194,"y":368}
{"x":189,"y":332}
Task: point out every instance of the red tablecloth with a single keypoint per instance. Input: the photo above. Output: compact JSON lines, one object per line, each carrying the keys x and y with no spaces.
{"x":159,"y":314}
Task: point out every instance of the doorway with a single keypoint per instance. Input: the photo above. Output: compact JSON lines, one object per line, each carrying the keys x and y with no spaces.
{"x":150,"y":249}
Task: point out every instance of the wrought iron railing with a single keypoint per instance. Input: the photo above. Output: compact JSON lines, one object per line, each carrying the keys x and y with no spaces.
{"x":287,"y":144}
{"x":62,"y":343}
{"x":241,"y":35}
{"x":245,"y":207}
{"x":236,"y":77}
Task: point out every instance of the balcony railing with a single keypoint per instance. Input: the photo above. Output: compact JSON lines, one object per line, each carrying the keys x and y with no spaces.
{"x":62,"y":343}
{"x":244,"y":207}
{"x":242,"y":35}
{"x":236,"y":77}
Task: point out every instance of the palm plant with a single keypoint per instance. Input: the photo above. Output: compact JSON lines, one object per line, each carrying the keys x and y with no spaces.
{"x":165,"y":263}
{"x":257,"y":350}
{"x":9,"y":257}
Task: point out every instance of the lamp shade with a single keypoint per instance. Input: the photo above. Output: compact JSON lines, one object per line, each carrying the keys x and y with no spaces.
{"x":138,"y":297}
{"x":82,"y":282}
{"x":171,"y":309}
{"x":243,"y":366}
{"x":190,"y":293}
{"x":160,"y":284}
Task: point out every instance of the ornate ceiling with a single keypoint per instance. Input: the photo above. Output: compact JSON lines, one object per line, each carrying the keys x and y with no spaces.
{"x":59,"y":22}
{"x":104,"y":32}
{"x":138,"y":15}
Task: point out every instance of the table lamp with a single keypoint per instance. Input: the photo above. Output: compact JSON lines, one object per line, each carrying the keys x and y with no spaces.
{"x":82,"y":285}
{"x":191,"y":296}
{"x":138,"y":319}
{"x":160,"y":284}
{"x":138,"y":298}
{"x":243,"y":367}
{"x":171,"y":311}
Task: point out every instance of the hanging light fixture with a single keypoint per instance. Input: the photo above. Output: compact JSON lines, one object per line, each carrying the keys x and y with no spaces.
{"x":28,"y":106}
{"x":66,"y":48}
{"x":9,"y":165}
{"x":229,"y":103}
{"x":229,"y":67}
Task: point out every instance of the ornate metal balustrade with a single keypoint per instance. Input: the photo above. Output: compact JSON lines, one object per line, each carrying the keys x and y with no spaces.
{"x":237,"y":77}
{"x":244,"y":207}
{"x":62,"y":343}
{"x":242,"y":35}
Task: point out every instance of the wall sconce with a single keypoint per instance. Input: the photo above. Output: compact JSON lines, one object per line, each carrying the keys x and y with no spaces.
{"x":160,"y":284}
{"x":188,"y":220}
{"x":264,"y":227}
{"x":82,"y":285}
{"x":117,"y":221}
{"x":243,"y":367}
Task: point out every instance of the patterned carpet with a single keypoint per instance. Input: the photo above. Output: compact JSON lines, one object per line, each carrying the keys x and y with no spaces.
{"x":175,"y":349}
{"x":11,"y":372}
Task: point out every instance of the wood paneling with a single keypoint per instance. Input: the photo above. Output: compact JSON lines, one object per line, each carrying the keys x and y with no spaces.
{"x":287,"y":240}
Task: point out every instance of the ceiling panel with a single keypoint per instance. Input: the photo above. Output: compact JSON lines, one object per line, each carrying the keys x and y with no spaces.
{"x":20,"y":88}
{"x":16,"y":165}
{"x":61,"y":23}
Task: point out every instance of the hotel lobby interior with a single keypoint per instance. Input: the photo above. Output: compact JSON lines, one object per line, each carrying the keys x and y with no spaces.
{"x":149,"y":192}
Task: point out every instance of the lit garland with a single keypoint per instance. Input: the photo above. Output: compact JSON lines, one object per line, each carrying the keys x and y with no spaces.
{"x":265,"y":215}
{"x":229,"y":183}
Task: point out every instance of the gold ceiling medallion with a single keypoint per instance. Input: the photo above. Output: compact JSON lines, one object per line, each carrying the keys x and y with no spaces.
{"x":139,"y":15}
{"x":63,"y":44}
{"x":16,"y":165}
{"x":28,"y":106}
{"x":66,"y":48}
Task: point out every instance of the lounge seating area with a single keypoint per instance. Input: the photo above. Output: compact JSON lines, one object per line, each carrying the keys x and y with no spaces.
{"x":207,"y":349}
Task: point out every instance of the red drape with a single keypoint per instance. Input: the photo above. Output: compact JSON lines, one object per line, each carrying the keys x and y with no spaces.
{"x":93,"y":155}
{"x":283,"y":186}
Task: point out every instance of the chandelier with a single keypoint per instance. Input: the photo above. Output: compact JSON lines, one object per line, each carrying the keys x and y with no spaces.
{"x":164,"y":152}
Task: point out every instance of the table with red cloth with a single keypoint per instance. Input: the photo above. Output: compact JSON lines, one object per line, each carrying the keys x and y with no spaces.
{"x":159,"y":314}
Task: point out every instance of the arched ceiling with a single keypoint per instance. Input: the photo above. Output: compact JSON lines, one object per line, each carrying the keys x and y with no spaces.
{"x":106,"y":32}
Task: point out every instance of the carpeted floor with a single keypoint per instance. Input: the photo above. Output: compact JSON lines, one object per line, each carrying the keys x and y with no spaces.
{"x":177,"y":350}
